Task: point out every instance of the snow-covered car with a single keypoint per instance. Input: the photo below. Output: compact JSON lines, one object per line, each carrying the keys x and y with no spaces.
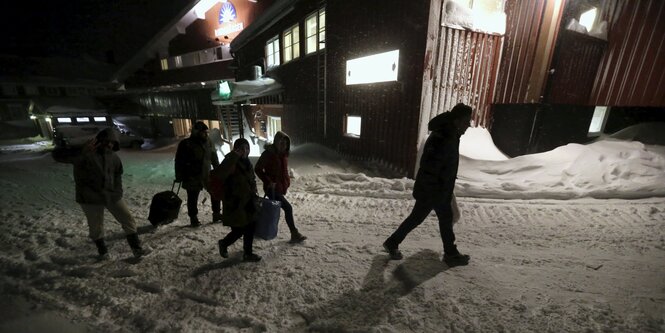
{"x":73,"y":136}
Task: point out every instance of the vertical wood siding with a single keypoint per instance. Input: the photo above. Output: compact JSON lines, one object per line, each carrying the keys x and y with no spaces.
{"x":389,"y":110}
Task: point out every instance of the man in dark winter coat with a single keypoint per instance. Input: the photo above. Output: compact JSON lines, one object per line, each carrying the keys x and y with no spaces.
{"x":273,"y":170}
{"x":193,"y":160}
{"x":98,"y":177}
{"x":435,"y":182}
{"x":239,"y":199}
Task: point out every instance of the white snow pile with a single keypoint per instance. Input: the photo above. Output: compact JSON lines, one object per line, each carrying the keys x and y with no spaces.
{"x":538,"y":264}
{"x":458,"y":15}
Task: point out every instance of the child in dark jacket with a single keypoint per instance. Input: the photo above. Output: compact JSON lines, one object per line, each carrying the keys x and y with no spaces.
{"x":238,"y":202}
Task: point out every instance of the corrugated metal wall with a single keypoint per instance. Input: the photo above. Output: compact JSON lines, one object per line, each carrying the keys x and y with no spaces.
{"x":463,"y":70}
{"x":524,"y":19}
{"x":632,"y":72}
{"x":574,"y":68}
{"x":626,"y":70}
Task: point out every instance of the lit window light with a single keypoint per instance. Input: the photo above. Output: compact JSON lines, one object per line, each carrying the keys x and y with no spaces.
{"x":380,"y":67}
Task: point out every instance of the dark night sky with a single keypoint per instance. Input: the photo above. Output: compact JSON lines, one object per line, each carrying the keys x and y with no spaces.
{"x":106,"y":30}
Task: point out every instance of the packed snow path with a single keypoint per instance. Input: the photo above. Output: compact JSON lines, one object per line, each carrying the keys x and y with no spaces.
{"x":540,"y":265}
{"x":537,"y":265}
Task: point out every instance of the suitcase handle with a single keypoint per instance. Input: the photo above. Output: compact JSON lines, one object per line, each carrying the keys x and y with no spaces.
{"x":173,"y":186}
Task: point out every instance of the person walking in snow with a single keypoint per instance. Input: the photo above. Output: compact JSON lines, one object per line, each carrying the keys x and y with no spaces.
{"x":239,"y":199}
{"x":98,"y":178}
{"x":273,"y":170}
{"x":435,"y":182}
{"x":193,"y":160}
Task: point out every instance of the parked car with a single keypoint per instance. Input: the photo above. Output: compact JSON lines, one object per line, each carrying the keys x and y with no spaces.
{"x":71,"y":137}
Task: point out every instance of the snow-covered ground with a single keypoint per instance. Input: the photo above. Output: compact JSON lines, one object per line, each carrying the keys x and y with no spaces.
{"x":571,"y":240}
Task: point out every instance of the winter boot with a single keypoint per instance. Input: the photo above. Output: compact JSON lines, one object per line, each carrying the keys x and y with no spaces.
{"x":135,"y":244}
{"x":251,"y":257}
{"x":102,"y":250}
{"x":223,"y":249}
{"x":194,"y":222}
{"x":297,"y":237}
{"x":392,"y":250}
{"x":453,"y":258}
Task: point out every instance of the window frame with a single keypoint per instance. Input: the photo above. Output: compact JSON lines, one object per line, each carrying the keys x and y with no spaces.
{"x":273,"y":59}
{"x":346,"y":126}
{"x":317,"y":32}
{"x":291,"y":50}
{"x":599,"y":118}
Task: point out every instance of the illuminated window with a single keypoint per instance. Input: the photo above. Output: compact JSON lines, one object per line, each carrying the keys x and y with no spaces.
{"x":272,"y":52}
{"x":82,"y":119}
{"x":322,"y":29}
{"x":178,"y":61}
{"x":315,"y":31}
{"x":353,"y":125}
{"x":291,"y":39}
{"x":100,"y":119}
{"x":598,"y":121}
{"x":165,"y":64}
{"x":64,"y":120}
{"x":588,"y":18}
{"x":274,"y":125}
{"x":380,"y":67}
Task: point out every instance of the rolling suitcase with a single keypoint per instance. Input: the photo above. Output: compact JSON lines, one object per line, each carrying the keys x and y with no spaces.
{"x":165,"y":207}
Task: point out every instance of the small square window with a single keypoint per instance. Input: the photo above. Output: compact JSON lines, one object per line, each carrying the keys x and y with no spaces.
{"x":353,"y":124}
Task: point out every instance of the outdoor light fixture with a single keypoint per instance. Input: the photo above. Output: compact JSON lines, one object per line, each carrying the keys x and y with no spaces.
{"x":33,"y":117}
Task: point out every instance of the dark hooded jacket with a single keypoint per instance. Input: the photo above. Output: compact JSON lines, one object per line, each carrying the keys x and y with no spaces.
{"x":98,"y":172}
{"x":436,"y":176}
{"x":273,"y":166}
{"x":193,"y":161}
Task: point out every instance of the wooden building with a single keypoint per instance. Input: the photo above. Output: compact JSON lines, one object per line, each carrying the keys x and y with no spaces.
{"x":535,"y":83}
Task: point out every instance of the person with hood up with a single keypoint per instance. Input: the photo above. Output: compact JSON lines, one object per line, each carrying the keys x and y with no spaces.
{"x":98,"y":178}
{"x":193,"y":160}
{"x":239,"y":199}
{"x":273,"y":169}
{"x":435,"y":182}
